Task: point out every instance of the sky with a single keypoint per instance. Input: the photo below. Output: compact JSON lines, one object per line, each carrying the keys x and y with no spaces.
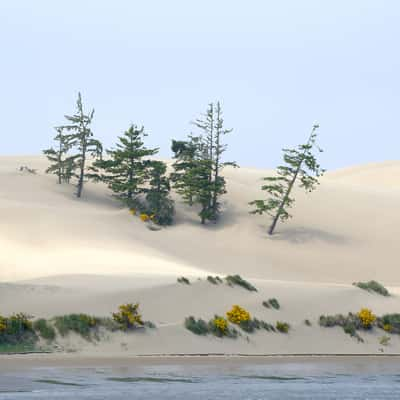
{"x":276,"y":66}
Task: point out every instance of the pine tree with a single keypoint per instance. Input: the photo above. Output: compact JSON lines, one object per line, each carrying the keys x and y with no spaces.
{"x":183,"y":177}
{"x":81,"y":138}
{"x":211,"y":148}
{"x":159,"y":203}
{"x":125,"y":169}
{"x":300,"y":164}
{"x":59,"y":165}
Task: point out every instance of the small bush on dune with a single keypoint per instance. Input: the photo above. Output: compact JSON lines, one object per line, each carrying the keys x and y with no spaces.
{"x":183,"y":280}
{"x":44,"y":329}
{"x":215,"y":280}
{"x":219,"y":327}
{"x":274,"y":303}
{"x":237,"y":315}
{"x":366,"y":317}
{"x":373,"y":286}
{"x":307,"y":322}
{"x":17,"y":330}
{"x":81,"y":324}
{"x":128,"y":316}
{"x":197,"y":326}
{"x":233,"y":280}
{"x":389,"y":323}
{"x":282,"y":327}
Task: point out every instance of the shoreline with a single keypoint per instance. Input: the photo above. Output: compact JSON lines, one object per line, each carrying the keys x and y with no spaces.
{"x":38,"y":360}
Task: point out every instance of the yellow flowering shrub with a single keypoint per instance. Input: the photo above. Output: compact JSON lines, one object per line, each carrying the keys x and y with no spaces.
{"x":3,"y":324}
{"x":221,"y":324}
{"x":128,"y":316}
{"x":366,"y":317}
{"x":132,"y":211}
{"x":144,"y":217}
{"x":238,"y":314}
{"x":387,"y":327}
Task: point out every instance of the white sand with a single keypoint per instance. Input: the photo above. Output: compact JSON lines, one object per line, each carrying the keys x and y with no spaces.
{"x":59,"y":254}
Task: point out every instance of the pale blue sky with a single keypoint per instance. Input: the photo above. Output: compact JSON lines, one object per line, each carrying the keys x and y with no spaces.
{"x":276,"y":66}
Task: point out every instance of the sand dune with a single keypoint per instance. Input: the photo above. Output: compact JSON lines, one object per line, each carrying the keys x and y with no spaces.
{"x":59,"y":254}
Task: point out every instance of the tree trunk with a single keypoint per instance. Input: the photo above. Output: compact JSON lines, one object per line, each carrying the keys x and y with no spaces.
{"x":82,"y":172}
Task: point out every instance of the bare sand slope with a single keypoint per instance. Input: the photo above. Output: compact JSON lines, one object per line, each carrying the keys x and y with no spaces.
{"x":60,"y":255}
{"x":340,"y":233}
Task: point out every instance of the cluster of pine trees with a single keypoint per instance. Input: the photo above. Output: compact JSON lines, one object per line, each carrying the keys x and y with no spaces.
{"x":136,"y":179}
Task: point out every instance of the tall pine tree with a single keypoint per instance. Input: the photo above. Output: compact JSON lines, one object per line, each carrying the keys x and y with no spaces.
{"x":80,"y":136}
{"x":211,"y":148}
{"x":126,"y":168}
{"x":300,"y":164}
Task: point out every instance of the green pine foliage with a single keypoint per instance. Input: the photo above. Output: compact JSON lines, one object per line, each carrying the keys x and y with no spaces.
{"x":300,"y":164}
{"x":158,"y":201}
{"x":198,"y":166}
{"x":80,"y":138}
{"x":60,"y":165}
{"x":185,"y":168}
{"x":125,"y":169}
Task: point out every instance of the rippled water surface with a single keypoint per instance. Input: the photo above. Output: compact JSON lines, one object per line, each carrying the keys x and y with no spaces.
{"x":361,"y":378}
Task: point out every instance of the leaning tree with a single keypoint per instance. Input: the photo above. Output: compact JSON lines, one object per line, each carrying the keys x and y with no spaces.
{"x":300,"y":164}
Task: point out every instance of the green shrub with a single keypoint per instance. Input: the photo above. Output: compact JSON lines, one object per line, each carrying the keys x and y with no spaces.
{"x":198,"y":327}
{"x":282,"y":327}
{"x":17,"y":330}
{"x":389,"y":323}
{"x":274,"y":303}
{"x":82,"y":324}
{"x":307,"y":322}
{"x":183,"y":280}
{"x":233,"y":280}
{"x":373,"y":286}
{"x":215,"y":280}
{"x":44,"y":329}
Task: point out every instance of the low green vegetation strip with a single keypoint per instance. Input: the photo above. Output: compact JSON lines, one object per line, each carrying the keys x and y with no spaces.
{"x":18,"y":333}
{"x":236,"y":318}
{"x":373,"y":286}
{"x":364,"y":320}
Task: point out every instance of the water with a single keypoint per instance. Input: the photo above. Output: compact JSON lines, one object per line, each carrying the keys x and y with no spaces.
{"x":362,"y":378}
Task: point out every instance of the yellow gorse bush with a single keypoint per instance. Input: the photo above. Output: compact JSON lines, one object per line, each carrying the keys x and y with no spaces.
{"x":144,"y":217}
{"x":128,"y":316}
{"x":221,"y":324}
{"x":387,"y":327}
{"x":132,"y":211}
{"x":3,"y":324}
{"x":366,"y":317}
{"x":238,"y":314}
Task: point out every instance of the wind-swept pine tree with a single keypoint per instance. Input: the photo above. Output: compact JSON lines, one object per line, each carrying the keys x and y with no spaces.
{"x":60,"y":165}
{"x":80,"y":136}
{"x":158,"y":201}
{"x":300,"y":164}
{"x":125,"y":169}
{"x":197,"y":175}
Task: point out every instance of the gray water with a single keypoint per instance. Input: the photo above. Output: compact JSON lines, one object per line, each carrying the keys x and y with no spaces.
{"x":231,"y":379}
